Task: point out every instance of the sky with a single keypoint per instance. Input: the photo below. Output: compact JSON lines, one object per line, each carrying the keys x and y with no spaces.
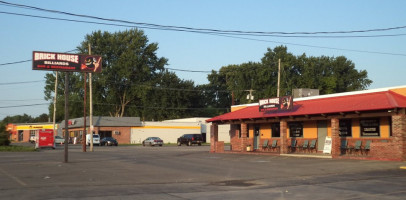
{"x":382,"y":54}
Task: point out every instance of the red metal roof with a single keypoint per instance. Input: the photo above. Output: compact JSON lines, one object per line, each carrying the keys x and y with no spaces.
{"x":349,"y":103}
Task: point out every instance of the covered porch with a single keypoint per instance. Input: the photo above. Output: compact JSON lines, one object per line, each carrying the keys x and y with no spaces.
{"x":367,"y":126}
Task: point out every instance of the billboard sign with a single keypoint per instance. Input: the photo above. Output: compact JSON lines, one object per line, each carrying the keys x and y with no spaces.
{"x":51,"y":61}
{"x":280,"y":103}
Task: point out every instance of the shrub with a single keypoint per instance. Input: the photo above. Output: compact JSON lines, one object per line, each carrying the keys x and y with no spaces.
{"x":4,"y":141}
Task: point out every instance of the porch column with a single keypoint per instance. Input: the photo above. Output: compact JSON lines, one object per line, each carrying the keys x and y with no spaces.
{"x":335,"y":138}
{"x":214,"y":137}
{"x":398,"y":149}
{"x":284,"y":137}
{"x":244,"y":139}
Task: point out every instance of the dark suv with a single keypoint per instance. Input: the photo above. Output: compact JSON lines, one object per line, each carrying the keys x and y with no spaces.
{"x":190,"y":139}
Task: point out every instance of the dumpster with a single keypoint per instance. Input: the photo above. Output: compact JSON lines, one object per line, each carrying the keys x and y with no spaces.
{"x":44,"y":138}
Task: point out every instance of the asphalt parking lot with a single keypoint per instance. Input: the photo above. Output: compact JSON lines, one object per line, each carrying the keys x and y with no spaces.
{"x":172,"y":172}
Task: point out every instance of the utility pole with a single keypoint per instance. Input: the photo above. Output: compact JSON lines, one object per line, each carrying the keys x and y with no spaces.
{"x":250,"y":97}
{"x":91,"y":106}
{"x":84,"y":116}
{"x":66,"y":115}
{"x":56,"y":92}
{"x":279,"y":76}
{"x":232,"y":98}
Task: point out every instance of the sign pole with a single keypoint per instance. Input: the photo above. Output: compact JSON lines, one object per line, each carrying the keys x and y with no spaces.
{"x":279,"y":77}
{"x":56,"y":92}
{"x":84,"y":116}
{"x":66,"y":116}
{"x":91,"y":106}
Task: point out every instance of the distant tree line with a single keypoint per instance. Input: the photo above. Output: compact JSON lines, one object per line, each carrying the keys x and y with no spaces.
{"x":134,"y":81}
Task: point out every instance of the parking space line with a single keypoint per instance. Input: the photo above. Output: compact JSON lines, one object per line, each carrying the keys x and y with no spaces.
{"x":13,"y":177}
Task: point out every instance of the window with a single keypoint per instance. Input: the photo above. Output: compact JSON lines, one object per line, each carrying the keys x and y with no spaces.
{"x":276,"y":131}
{"x":296,"y":129}
{"x":369,"y":127}
{"x":32,"y":133}
{"x":248,"y":130}
{"x":345,"y":129}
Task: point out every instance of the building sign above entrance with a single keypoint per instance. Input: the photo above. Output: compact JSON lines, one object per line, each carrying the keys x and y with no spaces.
{"x":280,"y":103}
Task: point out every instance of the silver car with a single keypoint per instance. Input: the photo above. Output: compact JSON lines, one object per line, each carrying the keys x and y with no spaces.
{"x":152,"y":141}
{"x":59,"y":140}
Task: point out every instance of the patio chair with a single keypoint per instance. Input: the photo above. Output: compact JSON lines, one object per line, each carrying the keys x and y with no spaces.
{"x":344,"y":146}
{"x":312,"y":145}
{"x":357,"y":146}
{"x":292,"y":145}
{"x":367,"y":146}
{"x":274,"y":144}
{"x":305,"y":145}
{"x":265,"y":145}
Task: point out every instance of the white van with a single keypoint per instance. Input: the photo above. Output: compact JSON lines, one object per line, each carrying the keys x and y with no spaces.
{"x":96,"y":139}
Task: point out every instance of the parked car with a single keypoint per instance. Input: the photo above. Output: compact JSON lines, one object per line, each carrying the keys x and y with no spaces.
{"x":152,"y":141}
{"x":32,"y":139}
{"x":96,"y":139}
{"x":190,"y":139}
{"x":59,"y":140}
{"x":108,"y":141}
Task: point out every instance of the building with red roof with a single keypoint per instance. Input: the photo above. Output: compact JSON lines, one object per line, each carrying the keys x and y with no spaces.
{"x":368,"y":124}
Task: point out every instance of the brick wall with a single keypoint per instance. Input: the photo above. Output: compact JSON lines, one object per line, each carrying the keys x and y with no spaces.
{"x":235,"y":139}
{"x":284,"y":137}
{"x":123,"y":138}
{"x":213,"y":137}
{"x":392,"y":148}
{"x":335,"y":138}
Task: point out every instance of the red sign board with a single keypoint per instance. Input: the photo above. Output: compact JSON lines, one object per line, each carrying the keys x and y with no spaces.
{"x":51,"y":61}
{"x":279,"y":103}
{"x":45,"y":138}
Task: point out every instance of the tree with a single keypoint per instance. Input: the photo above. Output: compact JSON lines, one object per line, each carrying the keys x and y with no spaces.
{"x":4,"y":136}
{"x":133,"y":81}
{"x":328,"y":74}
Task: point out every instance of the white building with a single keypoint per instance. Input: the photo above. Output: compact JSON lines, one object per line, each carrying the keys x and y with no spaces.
{"x":170,"y":130}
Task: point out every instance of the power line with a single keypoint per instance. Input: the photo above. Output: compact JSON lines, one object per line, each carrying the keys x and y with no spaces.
{"x":202,"y":29}
{"x":24,"y":61}
{"x":215,"y":34}
{"x":23,"y":82}
{"x":26,"y":105}
{"x":314,"y":46}
{"x":107,"y":104}
{"x":185,"y":70}
{"x":17,"y":62}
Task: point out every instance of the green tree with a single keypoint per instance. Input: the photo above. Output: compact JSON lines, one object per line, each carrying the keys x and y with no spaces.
{"x":4,"y":136}
{"x":328,"y":74}
{"x":133,"y":81}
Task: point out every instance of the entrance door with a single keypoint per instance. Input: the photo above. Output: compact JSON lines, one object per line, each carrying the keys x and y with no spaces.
{"x":321,"y":134}
{"x":104,"y":134}
{"x":256,"y":137}
{"x":20,"y":135}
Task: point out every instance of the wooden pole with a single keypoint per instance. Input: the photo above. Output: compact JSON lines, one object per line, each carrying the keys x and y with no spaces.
{"x":56,"y":92}
{"x":91,"y":105}
{"x":279,"y":76}
{"x":66,"y":116}
{"x":84,"y":116}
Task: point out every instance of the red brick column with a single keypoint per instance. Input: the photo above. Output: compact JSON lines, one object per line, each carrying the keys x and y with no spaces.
{"x":284,"y":137}
{"x":335,"y":138}
{"x":244,"y":139}
{"x":214,"y":137}
{"x":398,"y":150}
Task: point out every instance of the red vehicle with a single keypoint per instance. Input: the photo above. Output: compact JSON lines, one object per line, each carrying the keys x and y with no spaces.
{"x":45,"y":138}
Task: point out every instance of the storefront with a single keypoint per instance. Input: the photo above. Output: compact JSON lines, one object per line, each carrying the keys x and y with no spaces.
{"x":23,"y":132}
{"x":356,"y":125}
{"x":116,"y":127}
